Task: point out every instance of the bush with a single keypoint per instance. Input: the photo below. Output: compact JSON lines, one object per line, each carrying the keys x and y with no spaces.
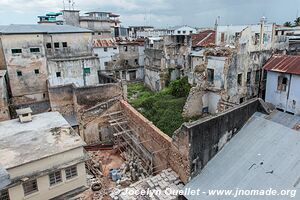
{"x":180,"y":87}
{"x":163,"y":108}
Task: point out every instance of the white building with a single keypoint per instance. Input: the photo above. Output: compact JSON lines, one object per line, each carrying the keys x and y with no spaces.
{"x":283,"y":81}
{"x":106,"y":51}
{"x":41,"y":159}
{"x":184,"y":30}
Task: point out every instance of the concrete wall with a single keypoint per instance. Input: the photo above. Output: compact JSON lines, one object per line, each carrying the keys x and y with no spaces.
{"x":286,"y":100}
{"x":208,"y":135}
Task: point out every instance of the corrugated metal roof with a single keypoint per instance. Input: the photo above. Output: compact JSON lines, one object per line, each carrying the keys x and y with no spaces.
{"x":40,"y":28}
{"x":262,"y":155}
{"x":284,"y":63}
{"x":4,"y":178}
{"x":204,"y":38}
{"x":105,"y":43}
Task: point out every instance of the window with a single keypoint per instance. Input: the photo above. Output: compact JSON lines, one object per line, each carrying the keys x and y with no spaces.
{"x":36,"y":71}
{"x":93,"y":33}
{"x":191,"y":31}
{"x":30,"y":187}
{"x":241,"y":100}
{"x":178,"y":32}
{"x":239,"y":79}
{"x":87,"y":70}
{"x":105,"y":49}
{"x":256,"y":38}
{"x":99,"y":33}
{"x":71,"y":172}
{"x":205,"y":109}
{"x":248,"y":77}
{"x":257,"y":76}
{"x":19,"y":73}
{"x":55,"y":178}
{"x":126,"y":62}
{"x":105,"y":63}
{"x":65,"y":44}
{"x":48,"y":45}
{"x":136,"y":61}
{"x":56,"y":44}
{"x":58,"y":74}
{"x":4,"y":195}
{"x":282,"y":83}
{"x":115,"y":47}
{"x":125,"y":48}
{"x":210,"y":75}
{"x":16,"y":51}
{"x":34,"y":50}
{"x":183,"y":32}
{"x":132,"y":75}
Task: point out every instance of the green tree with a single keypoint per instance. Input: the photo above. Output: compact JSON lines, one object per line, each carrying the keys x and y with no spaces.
{"x":288,"y":24}
{"x":297,"y":21}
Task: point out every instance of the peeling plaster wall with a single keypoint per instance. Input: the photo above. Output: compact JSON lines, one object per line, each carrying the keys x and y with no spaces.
{"x":105,"y":57}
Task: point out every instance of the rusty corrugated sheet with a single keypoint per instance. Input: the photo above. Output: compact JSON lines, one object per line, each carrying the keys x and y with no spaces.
{"x":204,"y":38}
{"x":284,"y":63}
{"x":104,"y":43}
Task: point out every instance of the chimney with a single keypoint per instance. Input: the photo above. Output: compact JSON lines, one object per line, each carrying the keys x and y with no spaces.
{"x":24,"y":115}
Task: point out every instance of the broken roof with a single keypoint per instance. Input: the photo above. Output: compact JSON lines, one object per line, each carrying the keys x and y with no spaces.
{"x":284,"y":63}
{"x":40,"y":28}
{"x":204,"y":38}
{"x":262,"y":155}
{"x":48,"y":134}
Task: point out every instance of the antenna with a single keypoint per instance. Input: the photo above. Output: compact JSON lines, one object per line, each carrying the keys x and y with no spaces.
{"x":73,"y":3}
{"x":64,"y":5}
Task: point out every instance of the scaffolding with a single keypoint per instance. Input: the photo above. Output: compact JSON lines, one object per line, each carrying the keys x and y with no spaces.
{"x":126,"y":135}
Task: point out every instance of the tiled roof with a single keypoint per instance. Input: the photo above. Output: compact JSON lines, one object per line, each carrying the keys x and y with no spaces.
{"x":204,"y":38}
{"x":284,"y":63}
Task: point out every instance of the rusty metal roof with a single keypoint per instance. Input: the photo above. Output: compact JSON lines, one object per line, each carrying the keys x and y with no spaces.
{"x":284,"y":63}
{"x":104,"y":43}
{"x":204,"y":38}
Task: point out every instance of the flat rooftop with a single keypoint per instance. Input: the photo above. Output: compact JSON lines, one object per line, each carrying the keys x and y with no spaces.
{"x":263,"y":155}
{"x":48,"y":134}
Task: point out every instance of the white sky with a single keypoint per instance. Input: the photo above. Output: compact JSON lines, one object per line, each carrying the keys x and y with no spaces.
{"x":160,"y":13}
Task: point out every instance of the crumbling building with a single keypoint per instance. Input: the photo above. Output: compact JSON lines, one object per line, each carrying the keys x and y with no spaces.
{"x":4,"y":98}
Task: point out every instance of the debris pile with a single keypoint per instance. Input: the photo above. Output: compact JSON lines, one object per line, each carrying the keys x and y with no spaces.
{"x":155,"y":187}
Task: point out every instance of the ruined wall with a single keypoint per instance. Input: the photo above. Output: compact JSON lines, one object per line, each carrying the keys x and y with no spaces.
{"x":207,"y":136}
{"x":167,"y":153}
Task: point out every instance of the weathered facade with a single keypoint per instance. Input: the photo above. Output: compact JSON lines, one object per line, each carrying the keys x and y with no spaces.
{"x":4,"y":109}
{"x":231,"y":72}
{"x":35,"y":54}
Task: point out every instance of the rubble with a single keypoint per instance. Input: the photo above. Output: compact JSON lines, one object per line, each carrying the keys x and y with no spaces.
{"x":154,"y":187}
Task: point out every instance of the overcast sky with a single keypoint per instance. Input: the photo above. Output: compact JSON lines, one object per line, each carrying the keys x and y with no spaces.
{"x":160,"y":13}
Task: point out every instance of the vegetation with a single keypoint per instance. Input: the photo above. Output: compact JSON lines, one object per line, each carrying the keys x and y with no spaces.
{"x":163,"y":108}
{"x":290,"y":24}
